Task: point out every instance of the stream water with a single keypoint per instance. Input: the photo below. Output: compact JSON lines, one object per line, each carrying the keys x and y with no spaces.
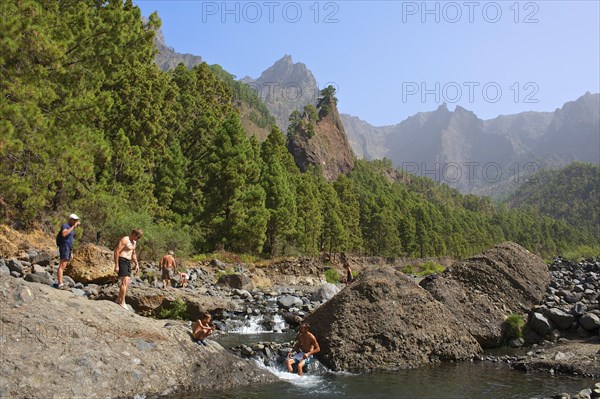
{"x":462,"y":380}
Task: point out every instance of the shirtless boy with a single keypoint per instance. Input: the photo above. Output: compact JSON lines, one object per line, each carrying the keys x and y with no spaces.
{"x":306,"y":346}
{"x":201,"y":329}
{"x":166,"y":264}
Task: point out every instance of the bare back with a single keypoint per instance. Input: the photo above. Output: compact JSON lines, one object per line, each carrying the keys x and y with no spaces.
{"x":167,"y":262}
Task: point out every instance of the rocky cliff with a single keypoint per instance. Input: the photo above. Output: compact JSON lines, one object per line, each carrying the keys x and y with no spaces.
{"x":167,"y":58}
{"x":322,"y":141}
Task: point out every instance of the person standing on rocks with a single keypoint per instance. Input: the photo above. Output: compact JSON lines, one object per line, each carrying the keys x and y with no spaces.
{"x":349,"y":276}
{"x":166,"y":263}
{"x":305,"y":347}
{"x":64,"y":241}
{"x":201,"y":329}
{"x":124,"y":254}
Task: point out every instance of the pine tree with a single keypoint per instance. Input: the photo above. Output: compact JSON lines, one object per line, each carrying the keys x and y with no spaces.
{"x":280,"y":193}
{"x":310,"y":216}
{"x":234,"y":209}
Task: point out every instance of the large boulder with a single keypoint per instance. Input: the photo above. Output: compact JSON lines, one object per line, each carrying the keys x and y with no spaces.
{"x":540,"y":324}
{"x":92,"y":264}
{"x":147,"y":301}
{"x":325,"y":292}
{"x":384,"y":321}
{"x":590,"y":322}
{"x":73,"y":347}
{"x":483,"y":290}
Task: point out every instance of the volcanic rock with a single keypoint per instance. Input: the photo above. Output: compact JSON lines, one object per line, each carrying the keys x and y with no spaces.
{"x":92,"y":264}
{"x":483,"y":290}
{"x":385,"y":321}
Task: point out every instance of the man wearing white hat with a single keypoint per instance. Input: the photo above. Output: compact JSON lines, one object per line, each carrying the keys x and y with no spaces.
{"x":64,"y":241}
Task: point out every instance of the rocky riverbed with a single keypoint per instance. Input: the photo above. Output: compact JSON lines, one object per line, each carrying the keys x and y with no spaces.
{"x":391,"y":313}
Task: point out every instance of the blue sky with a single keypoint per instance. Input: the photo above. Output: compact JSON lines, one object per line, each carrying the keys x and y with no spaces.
{"x":391,"y":59}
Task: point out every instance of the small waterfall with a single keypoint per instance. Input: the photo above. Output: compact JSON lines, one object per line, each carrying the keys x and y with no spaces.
{"x":256,"y":324}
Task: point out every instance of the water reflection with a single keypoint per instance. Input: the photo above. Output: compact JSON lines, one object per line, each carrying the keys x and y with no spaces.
{"x":445,"y":381}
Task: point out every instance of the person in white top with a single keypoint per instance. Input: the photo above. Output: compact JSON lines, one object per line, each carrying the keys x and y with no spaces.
{"x":124,"y":255}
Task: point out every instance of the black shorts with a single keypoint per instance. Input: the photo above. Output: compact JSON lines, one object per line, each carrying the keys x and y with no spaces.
{"x":166,"y":274}
{"x":124,"y":267}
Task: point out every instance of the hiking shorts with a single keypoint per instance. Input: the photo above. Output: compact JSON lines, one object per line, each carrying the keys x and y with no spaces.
{"x":124,"y":267}
{"x":64,"y":250}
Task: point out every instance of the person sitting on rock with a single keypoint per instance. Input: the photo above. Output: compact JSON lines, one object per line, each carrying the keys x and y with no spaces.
{"x":166,"y":263}
{"x":305,"y":347}
{"x":183,"y":279}
{"x":201,"y":329}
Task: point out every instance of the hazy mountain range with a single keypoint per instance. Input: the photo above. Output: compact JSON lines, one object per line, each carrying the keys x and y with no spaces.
{"x":478,"y":156}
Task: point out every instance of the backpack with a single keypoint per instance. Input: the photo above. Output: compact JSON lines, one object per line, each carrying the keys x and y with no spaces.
{"x":59,"y":237}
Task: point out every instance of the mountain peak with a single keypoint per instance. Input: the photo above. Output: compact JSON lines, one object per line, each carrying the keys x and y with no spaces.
{"x":286,"y":59}
{"x":286,"y":86}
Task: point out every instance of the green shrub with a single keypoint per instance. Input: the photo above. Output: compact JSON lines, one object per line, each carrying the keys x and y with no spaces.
{"x":225,"y":272}
{"x":515,"y":324}
{"x":177,"y":311}
{"x":582,"y":252}
{"x":332,"y":276}
{"x":408,"y":269}
{"x":423,"y":269}
{"x":430,"y":267}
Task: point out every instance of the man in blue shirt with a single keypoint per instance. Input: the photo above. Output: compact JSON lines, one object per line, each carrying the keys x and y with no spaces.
{"x":64,"y":241}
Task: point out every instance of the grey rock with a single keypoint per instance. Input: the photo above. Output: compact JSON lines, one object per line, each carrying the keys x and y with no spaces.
{"x":247,"y":351}
{"x":242,"y":293}
{"x":325,"y":292}
{"x":218,"y":264}
{"x":516,"y":343}
{"x":540,"y":324}
{"x":560,"y":318}
{"x":289,"y":301}
{"x":559,"y":356}
{"x":574,"y":297}
{"x":68,"y":280}
{"x":39,"y":278}
{"x":78,"y":292}
{"x":15,"y":266}
{"x":4,"y":270}
{"x":38,"y":269}
{"x":579,"y":309}
{"x":589,"y":321}
{"x":15,"y":274}
{"x":143,"y":345}
{"x":40,"y":258}
{"x":24,"y":295}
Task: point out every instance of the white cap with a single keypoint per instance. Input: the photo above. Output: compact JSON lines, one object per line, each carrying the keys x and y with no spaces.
{"x":73,"y":216}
